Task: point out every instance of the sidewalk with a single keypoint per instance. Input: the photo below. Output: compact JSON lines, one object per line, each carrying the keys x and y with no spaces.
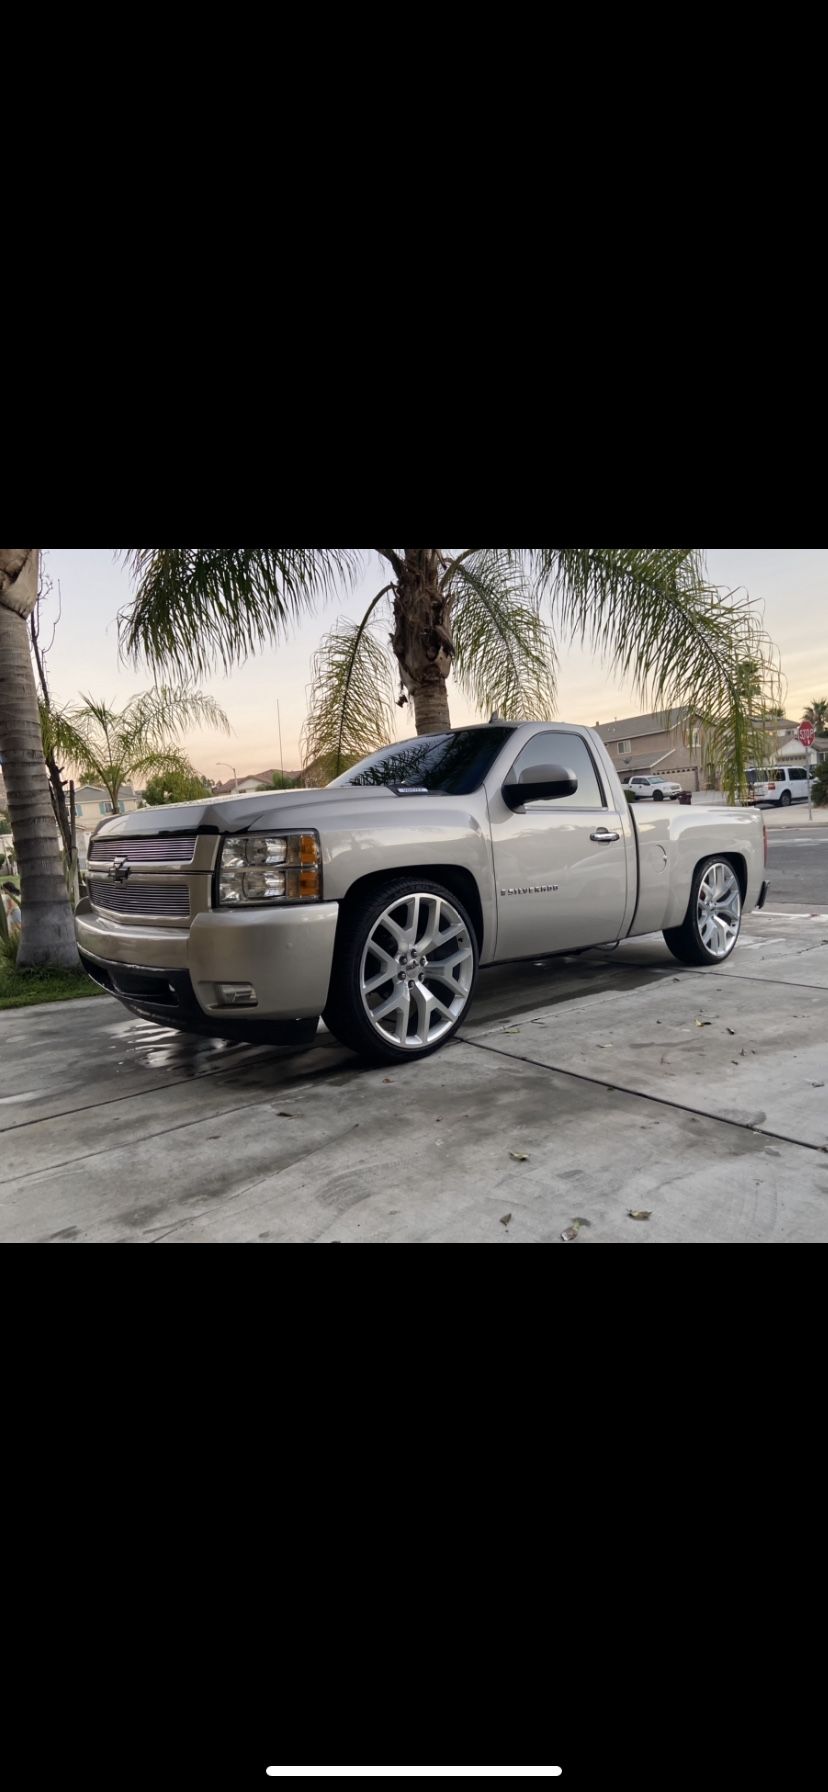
{"x":775,"y":818}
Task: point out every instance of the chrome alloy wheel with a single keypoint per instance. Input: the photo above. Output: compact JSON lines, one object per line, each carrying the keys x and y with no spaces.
{"x":719,"y":909}
{"x":417,"y":971}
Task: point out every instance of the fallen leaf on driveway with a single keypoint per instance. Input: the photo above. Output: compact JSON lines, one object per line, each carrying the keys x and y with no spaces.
{"x":573,"y":1230}
{"x":511,"y":1029}
{"x":732,"y":1032}
{"x":505,"y":1218}
{"x":704,"y":1023}
{"x":282,"y":1114}
{"x":520,"y":1157}
{"x":639,"y":1213}
{"x":388,"y":1079}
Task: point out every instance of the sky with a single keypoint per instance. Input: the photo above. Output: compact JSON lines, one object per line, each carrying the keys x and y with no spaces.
{"x":791,"y":584}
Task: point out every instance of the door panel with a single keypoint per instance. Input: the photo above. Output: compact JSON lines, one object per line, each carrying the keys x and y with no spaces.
{"x":557,"y":886}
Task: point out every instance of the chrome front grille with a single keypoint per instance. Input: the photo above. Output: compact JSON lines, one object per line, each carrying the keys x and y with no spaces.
{"x":140,"y":896}
{"x":178,"y":849}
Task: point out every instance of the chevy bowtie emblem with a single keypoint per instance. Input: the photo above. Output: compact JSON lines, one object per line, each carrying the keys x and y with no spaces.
{"x":119,"y":869}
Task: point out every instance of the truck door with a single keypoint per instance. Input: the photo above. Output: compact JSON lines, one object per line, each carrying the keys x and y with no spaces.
{"x":560,"y":867}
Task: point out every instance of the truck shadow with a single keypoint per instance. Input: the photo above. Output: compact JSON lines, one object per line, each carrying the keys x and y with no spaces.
{"x":502,"y":991}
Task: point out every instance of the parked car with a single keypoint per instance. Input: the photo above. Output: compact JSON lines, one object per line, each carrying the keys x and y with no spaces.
{"x":658,"y":789}
{"x":374,"y":901}
{"x":783,"y":785}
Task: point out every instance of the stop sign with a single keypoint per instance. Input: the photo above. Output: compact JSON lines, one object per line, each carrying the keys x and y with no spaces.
{"x":805,"y":733}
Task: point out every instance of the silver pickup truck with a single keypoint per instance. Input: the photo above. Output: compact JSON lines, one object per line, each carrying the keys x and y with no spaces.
{"x":375,"y":901}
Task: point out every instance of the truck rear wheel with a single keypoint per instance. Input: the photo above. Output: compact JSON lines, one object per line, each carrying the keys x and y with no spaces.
{"x":711,"y":925}
{"x":405,"y":966}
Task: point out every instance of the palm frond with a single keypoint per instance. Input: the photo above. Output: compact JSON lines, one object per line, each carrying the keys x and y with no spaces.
{"x":198,"y":607}
{"x":505,"y":657}
{"x":653,"y":618}
{"x":352,"y":696}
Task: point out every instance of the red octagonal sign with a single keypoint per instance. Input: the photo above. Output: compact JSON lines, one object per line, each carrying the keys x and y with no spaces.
{"x":805,"y":733}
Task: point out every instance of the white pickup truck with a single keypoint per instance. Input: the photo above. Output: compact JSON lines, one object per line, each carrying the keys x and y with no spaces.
{"x":658,"y":790}
{"x":375,"y":901}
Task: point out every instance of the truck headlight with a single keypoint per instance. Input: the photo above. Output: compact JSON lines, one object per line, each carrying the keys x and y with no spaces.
{"x":269,"y":868}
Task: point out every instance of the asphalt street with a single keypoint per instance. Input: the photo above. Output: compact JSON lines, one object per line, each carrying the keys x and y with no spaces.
{"x":798,"y":868}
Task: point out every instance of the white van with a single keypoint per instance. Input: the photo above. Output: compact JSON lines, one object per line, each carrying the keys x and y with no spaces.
{"x":783,"y":785}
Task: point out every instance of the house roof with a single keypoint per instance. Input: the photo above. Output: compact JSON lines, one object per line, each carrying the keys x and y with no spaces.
{"x":631,"y":727}
{"x":641,"y":762}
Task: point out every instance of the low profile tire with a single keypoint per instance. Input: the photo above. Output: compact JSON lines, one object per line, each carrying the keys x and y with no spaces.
{"x":658,"y":796}
{"x":711,"y":926}
{"x":405,"y":966}
{"x":785,"y":799}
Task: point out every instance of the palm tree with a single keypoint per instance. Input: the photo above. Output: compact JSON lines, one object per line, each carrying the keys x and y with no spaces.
{"x":47,"y":935}
{"x":817,"y":712}
{"x":109,"y":747}
{"x":485,"y":613}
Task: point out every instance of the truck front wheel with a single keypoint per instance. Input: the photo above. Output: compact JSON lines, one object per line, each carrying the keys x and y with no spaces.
{"x":405,"y":966}
{"x":711,"y":925}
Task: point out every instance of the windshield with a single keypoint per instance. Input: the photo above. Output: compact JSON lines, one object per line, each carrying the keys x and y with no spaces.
{"x":452,"y":764}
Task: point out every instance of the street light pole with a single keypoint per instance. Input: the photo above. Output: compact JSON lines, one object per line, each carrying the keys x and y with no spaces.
{"x":230,"y":768}
{"x":281,"y":754}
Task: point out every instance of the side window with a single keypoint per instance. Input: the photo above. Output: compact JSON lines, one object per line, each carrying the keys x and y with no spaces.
{"x":568,"y":750}
{"x":797,"y":772}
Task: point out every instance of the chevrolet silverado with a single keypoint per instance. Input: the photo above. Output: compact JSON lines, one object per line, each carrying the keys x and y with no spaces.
{"x":375,"y":901}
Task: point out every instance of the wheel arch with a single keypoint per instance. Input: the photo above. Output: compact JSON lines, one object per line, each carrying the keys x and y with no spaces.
{"x":455,"y":878}
{"x":736,"y":860}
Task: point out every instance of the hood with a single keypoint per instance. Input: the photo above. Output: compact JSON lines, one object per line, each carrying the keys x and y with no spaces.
{"x":243,"y":814}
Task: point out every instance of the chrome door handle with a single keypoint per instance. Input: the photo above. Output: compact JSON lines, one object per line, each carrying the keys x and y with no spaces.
{"x":603,"y":835}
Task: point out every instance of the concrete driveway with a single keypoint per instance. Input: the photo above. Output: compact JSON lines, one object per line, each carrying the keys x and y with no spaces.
{"x":581,"y":1089}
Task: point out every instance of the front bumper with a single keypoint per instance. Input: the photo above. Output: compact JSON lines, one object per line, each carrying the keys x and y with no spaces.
{"x":286,"y":954}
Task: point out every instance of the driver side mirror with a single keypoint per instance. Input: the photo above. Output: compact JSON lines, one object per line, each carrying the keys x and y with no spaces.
{"x":539,"y":784}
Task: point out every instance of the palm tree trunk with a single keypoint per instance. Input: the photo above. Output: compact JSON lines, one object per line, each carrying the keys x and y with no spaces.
{"x":47,"y":935}
{"x":422,"y":639}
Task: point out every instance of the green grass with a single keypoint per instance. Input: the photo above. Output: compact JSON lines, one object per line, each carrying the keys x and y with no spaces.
{"x":22,"y":989}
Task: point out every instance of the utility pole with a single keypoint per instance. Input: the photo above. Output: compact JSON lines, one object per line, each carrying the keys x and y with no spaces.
{"x":281,"y":754}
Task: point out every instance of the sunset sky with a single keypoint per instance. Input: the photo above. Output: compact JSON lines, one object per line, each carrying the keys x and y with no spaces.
{"x":792,"y":584}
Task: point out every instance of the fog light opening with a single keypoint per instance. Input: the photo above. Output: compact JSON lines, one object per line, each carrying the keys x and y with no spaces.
{"x":236,"y":995}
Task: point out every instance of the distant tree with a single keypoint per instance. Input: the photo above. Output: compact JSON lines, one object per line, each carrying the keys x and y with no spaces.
{"x":178,"y":785}
{"x":817,"y":712}
{"x":109,"y":747}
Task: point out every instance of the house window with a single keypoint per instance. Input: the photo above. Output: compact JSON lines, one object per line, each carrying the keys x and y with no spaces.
{"x":104,"y":809}
{"x":624,"y":746}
